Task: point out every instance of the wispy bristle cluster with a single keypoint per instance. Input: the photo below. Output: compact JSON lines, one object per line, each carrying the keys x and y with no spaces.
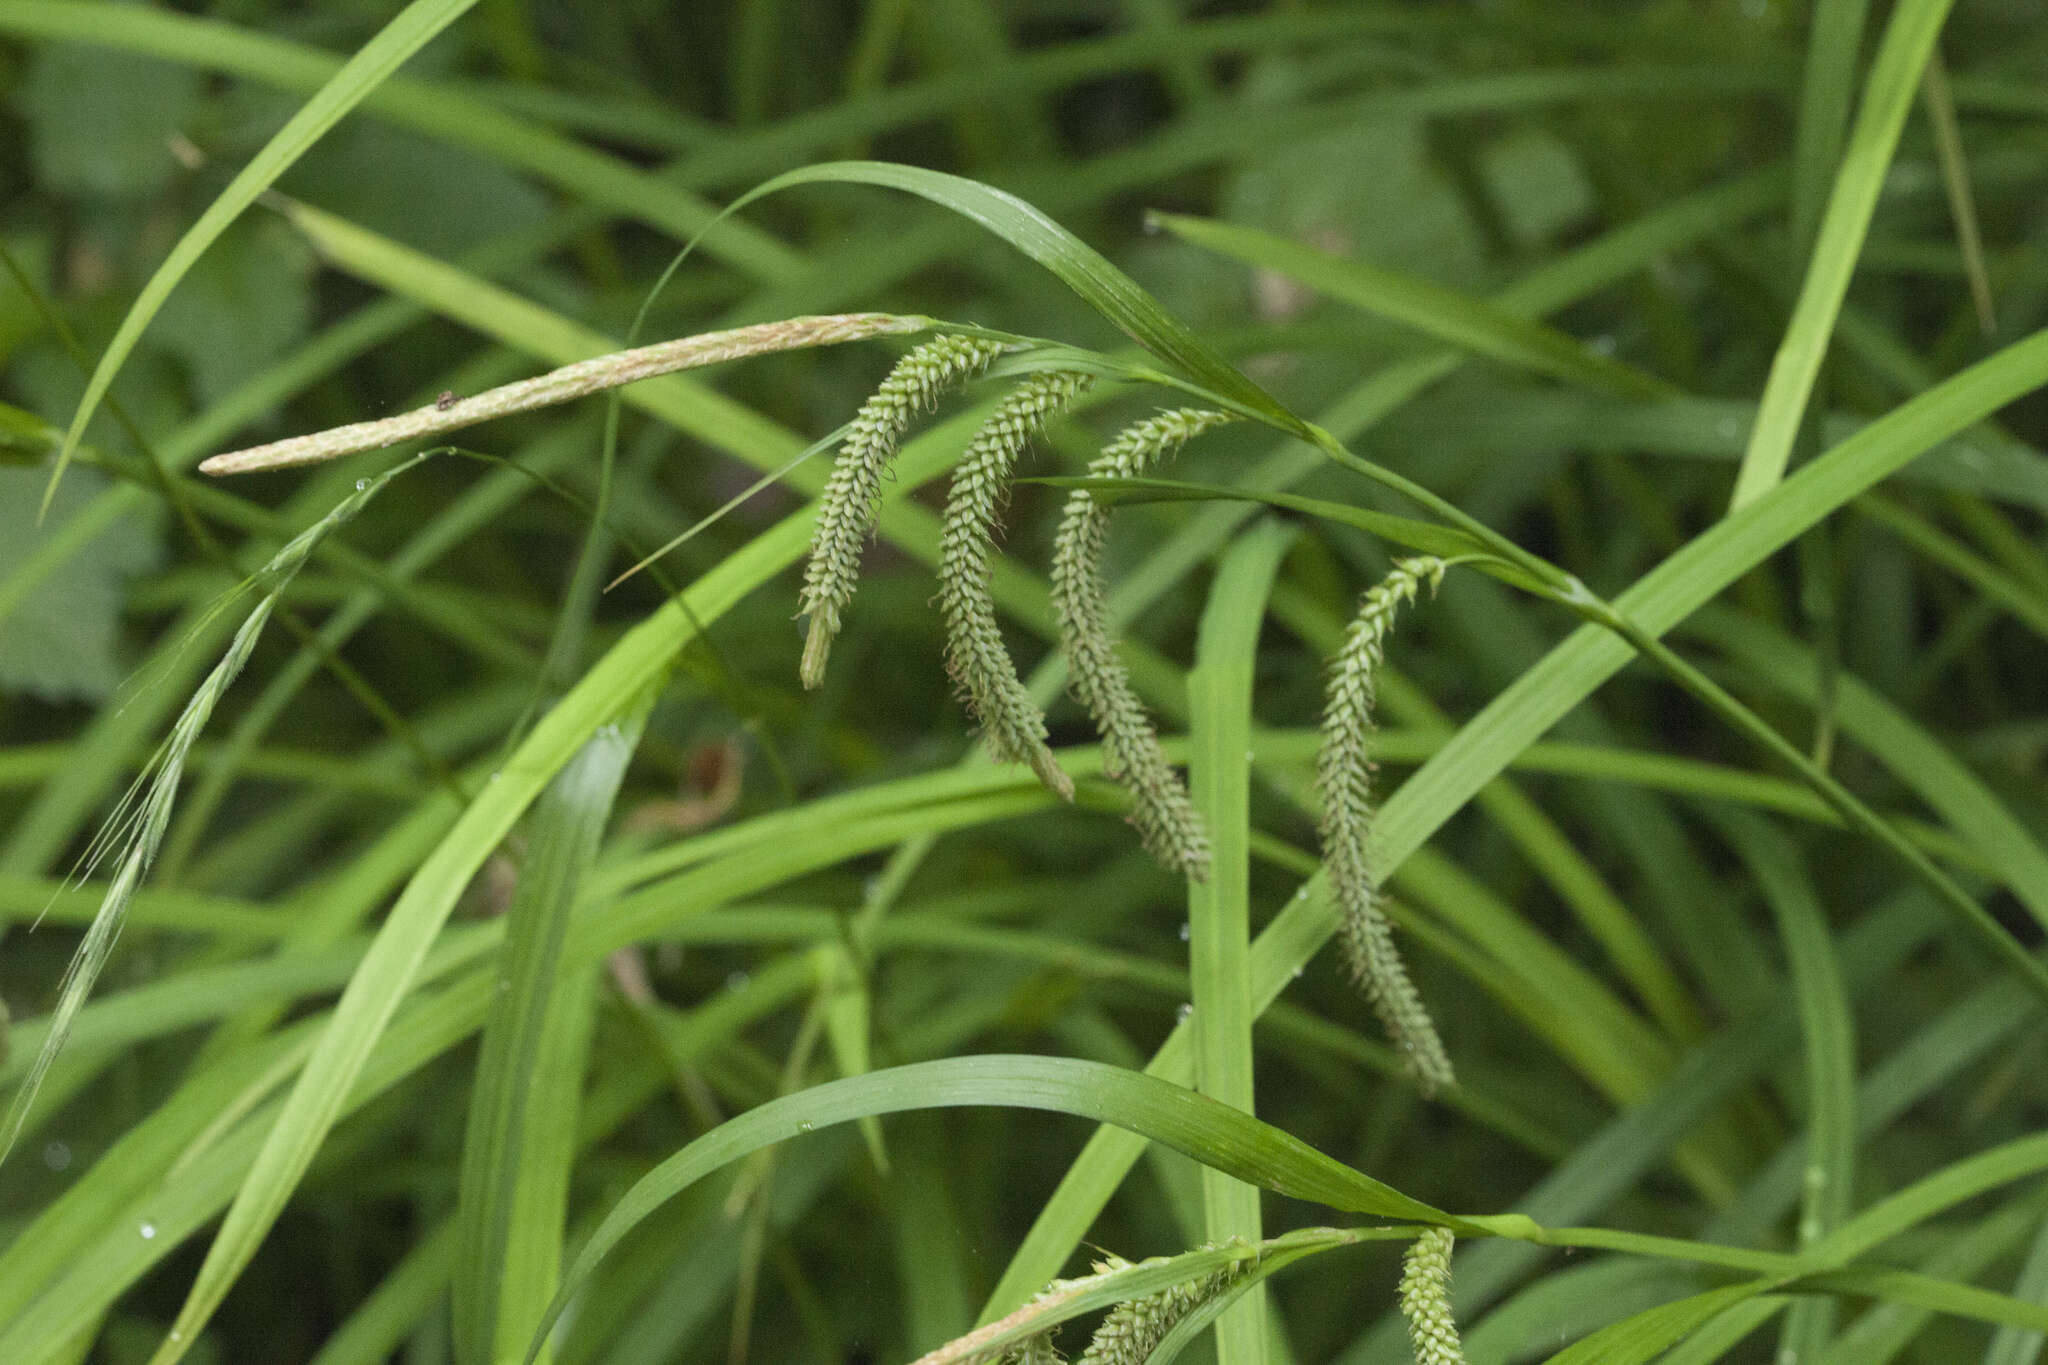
{"x":1344,"y":771}
{"x":1131,"y":1330}
{"x":135,"y":830}
{"x":1162,"y":812}
{"x":1011,"y":723}
{"x":1426,"y":1299}
{"x":853,"y":495}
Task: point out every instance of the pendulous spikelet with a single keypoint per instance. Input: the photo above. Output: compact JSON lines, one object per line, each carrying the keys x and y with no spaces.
{"x":852,"y":496}
{"x":1426,"y":1299}
{"x":1011,"y":724}
{"x":1344,"y":769}
{"x":1163,"y":814}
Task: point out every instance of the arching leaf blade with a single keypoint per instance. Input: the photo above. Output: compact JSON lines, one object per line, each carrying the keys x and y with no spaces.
{"x":1214,"y":1134}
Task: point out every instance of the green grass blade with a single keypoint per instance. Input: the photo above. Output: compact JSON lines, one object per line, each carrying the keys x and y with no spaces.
{"x":1932,"y":1195}
{"x":1647,"y":1335}
{"x":1427,"y":536}
{"x":1214,"y":1134}
{"x":155,"y":1190}
{"x":1830,"y":1051}
{"x":1834,"y":45}
{"x":389,"y":969}
{"x":1973,"y":811}
{"x":1570,"y":1303}
{"x":1613,"y":924}
{"x":506,"y":1263}
{"x":406,"y":34}
{"x":1905,"y":1309}
{"x":2026,"y":602}
{"x":1086,"y":271}
{"x":1219,"y":908}
{"x":1887,"y":98}
{"x":1955,"y":182}
{"x":2013,"y":1345}
{"x":1470,"y":324}
{"x":1726,"y":1329}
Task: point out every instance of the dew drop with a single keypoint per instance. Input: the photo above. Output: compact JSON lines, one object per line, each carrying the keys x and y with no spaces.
{"x":148,"y":1231}
{"x":1298,"y":971}
{"x":1187,"y":931}
{"x":362,"y":485}
{"x":1729,"y":428}
{"x":1185,"y":1012}
{"x":737,"y":981}
{"x":806,"y":1126}
{"x":56,"y":1155}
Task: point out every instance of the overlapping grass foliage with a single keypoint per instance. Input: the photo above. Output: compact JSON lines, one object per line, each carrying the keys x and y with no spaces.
{"x":489,"y":965}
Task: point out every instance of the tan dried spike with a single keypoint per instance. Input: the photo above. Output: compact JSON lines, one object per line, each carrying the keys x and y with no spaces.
{"x":450,"y":413}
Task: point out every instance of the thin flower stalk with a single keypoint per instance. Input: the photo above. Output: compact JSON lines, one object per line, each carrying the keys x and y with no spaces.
{"x":1344,"y":770}
{"x":450,"y":412}
{"x":1011,"y":723}
{"x":1426,"y":1299}
{"x":1161,"y":811}
{"x":853,"y":495}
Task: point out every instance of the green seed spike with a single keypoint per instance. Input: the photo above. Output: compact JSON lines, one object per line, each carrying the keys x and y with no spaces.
{"x":1011,"y":724}
{"x":1163,"y":814}
{"x":1344,"y":770}
{"x":1426,"y":1299}
{"x":853,"y":495}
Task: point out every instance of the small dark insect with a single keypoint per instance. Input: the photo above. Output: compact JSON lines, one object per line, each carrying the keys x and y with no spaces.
{"x":446,"y":400}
